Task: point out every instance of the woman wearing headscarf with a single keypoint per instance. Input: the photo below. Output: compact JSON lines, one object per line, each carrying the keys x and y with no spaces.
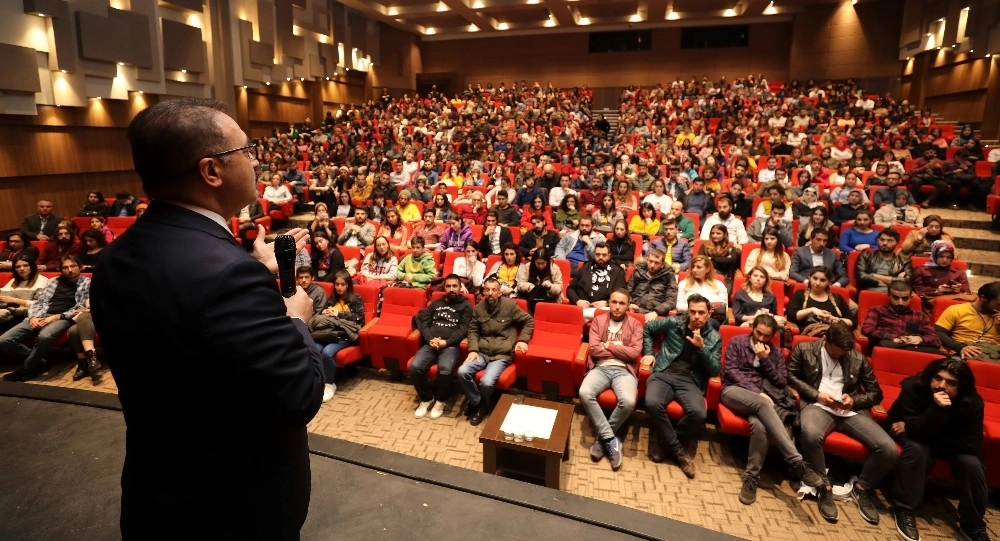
{"x":938,"y":278}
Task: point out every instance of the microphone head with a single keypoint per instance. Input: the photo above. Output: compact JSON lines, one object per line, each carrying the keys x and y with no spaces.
{"x":284,"y":244}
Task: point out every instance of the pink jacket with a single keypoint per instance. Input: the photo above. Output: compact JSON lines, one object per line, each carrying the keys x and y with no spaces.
{"x":630,"y":350}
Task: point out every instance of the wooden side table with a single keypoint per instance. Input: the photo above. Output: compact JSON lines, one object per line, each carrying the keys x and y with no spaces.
{"x":537,"y":460}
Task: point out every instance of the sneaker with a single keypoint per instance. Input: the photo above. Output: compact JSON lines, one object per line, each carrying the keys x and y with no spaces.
{"x":827,"y":506}
{"x":328,"y":391}
{"x":803,"y":472}
{"x":748,"y":494}
{"x":422,"y":409}
{"x":438,"y":410}
{"x":866,"y":504}
{"x":613,"y":449}
{"x":906,"y":525}
{"x":596,"y":451}
{"x":686,"y":463}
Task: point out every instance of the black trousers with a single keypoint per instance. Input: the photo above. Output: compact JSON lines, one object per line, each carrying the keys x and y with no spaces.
{"x":910,"y":477}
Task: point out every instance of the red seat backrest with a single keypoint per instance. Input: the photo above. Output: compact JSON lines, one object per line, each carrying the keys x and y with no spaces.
{"x":369,"y":295}
{"x":893,"y":365}
{"x":403,"y":300}
{"x":988,"y":385}
{"x":870,"y":299}
{"x":449,"y":262}
{"x":941,"y":305}
{"x":563,"y":320}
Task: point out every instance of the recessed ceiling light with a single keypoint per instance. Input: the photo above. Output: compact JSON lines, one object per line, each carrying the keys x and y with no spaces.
{"x":288,"y":78}
{"x":327,"y":78}
{"x":140,"y":91}
{"x":244,"y":87}
{"x":268,"y":83}
{"x":121,"y":63}
{"x":729,"y":13}
{"x":64,"y":71}
{"x":635,"y":18}
{"x":184,"y":71}
{"x":503,"y":26}
{"x":673,"y":16}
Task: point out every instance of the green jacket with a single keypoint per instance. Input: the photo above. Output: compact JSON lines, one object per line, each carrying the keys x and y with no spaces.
{"x":422,"y":269}
{"x":672,"y":328}
{"x":494,"y":334}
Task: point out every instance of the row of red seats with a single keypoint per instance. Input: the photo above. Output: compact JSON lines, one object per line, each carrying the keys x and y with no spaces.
{"x":555,"y":363}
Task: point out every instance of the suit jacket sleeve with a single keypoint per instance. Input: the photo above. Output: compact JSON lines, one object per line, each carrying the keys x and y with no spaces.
{"x":245,"y":315}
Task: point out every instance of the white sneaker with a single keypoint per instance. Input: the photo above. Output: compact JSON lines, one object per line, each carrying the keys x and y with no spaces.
{"x":422,"y":409}
{"x":328,"y":391}
{"x":438,"y":410}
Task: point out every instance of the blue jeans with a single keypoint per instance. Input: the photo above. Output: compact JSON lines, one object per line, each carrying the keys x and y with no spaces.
{"x":484,"y":390}
{"x":12,"y":342}
{"x":446,"y":359}
{"x":328,"y":352}
{"x":626,"y":388}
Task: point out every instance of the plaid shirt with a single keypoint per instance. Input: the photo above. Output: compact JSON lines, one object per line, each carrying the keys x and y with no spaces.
{"x":740,"y":371}
{"x":40,"y":308}
{"x":883,"y":323}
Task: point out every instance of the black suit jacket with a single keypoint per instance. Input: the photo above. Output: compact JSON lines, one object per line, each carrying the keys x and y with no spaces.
{"x":216,"y":383}
{"x":486,"y":247}
{"x":32,"y":223}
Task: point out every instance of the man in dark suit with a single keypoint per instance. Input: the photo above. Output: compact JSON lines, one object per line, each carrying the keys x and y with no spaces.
{"x":816,"y":254}
{"x":495,"y":236}
{"x":217,"y":375}
{"x":41,"y":225}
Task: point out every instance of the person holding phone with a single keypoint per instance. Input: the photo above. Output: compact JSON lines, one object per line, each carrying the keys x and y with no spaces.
{"x":836,"y":384}
{"x":896,"y":325}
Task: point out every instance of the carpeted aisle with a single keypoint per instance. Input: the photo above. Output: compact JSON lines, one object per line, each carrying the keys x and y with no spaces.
{"x":62,"y":451}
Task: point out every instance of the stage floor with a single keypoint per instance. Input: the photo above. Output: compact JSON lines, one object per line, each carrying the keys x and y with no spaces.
{"x":63,"y":450}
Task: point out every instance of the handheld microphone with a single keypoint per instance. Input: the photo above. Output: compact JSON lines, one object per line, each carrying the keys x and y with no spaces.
{"x":284,"y":252}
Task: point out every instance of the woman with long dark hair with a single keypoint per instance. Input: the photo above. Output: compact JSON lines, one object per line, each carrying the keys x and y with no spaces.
{"x":725,"y":257}
{"x":621,"y":245}
{"x":505,"y":270}
{"x":343,"y":304}
{"x":607,"y":215}
{"x":18,"y":294}
{"x":817,"y":303}
{"x":327,"y":258}
{"x":538,"y":280}
{"x":93,"y":243}
{"x":770,"y":256}
{"x":95,"y":205}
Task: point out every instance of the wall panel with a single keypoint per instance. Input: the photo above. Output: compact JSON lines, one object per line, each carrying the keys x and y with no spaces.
{"x":67,"y":192}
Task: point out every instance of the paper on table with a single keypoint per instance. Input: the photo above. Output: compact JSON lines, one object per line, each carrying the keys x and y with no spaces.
{"x":529,"y":420}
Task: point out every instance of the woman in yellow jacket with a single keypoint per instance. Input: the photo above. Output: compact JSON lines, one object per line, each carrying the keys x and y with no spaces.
{"x":646,"y":224}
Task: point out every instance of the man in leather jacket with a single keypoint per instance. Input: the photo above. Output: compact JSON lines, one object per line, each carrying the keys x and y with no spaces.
{"x":653,"y":287}
{"x":836,"y":387}
{"x":869,"y":270}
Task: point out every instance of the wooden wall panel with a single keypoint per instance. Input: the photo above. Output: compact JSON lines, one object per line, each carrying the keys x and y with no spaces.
{"x":962,"y":107}
{"x":41,"y":151}
{"x":958,"y":77}
{"x":564,"y":59}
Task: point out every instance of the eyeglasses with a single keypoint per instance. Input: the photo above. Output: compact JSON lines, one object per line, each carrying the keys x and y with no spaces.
{"x":250,"y":150}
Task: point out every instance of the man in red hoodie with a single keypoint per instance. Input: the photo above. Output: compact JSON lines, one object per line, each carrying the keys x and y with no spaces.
{"x":615,"y":347}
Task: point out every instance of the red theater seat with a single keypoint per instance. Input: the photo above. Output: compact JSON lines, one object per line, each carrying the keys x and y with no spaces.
{"x":392,"y":340}
{"x":556,"y":351}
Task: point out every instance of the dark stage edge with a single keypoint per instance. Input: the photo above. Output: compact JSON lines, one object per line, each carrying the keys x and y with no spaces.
{"x":59,"y":480}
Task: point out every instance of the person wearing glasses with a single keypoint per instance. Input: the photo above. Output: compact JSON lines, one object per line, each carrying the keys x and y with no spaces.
{"x":48,"y":317}
{"x":179,"y":280}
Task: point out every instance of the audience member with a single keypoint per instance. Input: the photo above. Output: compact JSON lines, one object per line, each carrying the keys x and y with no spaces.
{"x":652,"y":288}
{"x":817,"y":254}
{"x":498,"y":330}
{"x":40,"y":225}
{"x":754,"y":384}
{"x":939,"y":415}
{"x":615,"y":346}
{"x":969,"y":329}
{"x":48,"y":316}
{"x":876,"y":269}
{"x":688,"y":355}
{"x":341,"y":316}
{"x":836,"y":387}
{"x":895,"y":325}
{"x":442,"y":325}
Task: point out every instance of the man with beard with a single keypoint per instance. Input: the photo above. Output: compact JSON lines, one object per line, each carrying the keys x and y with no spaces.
{"x":886,"y":195}
{"x":939,"y":415}
{"x":875,"y":270}
{"x":689,"y":354}
{"x":643,"y":182}
{"x":595,"y":281}
{"x":591,"y":199}
{"x":742,"y":205}
{"x":895,"y":325}
{"x":653,"y":286}
{"x":577,"y":247}
{"x":63,"y":245}
{"x":443,"y":324}
{"x":928,"y":170}
{"x":527,"y":193}
{"x":493,"y":341}
{"x":537,"y":238}
{"x":737,"y":231}
{"x":775,"y":220}
{"x":429,"y":230}
{"x":50,"y":315}
{"x":359,"y":232}
{"x":615,"y":345}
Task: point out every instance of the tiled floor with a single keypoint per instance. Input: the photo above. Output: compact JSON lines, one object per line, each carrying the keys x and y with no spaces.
{"x":370,"y":409}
